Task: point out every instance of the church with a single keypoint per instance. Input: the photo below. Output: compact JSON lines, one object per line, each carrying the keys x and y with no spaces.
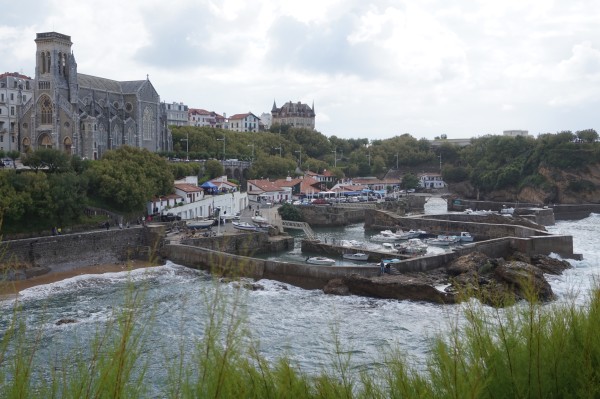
{"x":87,"y":115}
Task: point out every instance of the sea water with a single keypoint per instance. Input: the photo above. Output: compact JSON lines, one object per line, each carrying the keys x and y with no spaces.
{"x":284,"y":319}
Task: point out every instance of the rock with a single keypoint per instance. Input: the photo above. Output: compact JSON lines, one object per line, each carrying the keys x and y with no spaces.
{"x":401,"y":287}
{"x":336,"y":287}
{"x":522,"y":277}
{"x":468,"y":263}
{"x":65,"y":321}
{"x":550,"y":265}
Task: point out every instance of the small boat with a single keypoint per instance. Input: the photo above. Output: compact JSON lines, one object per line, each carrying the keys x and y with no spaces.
{"x":414,"y":246}
{"x":391,"y":261}
{"x":248,"y":227}
{"x":199,"y":224}
{"x":465,"y":236}
{"x":260,"y":221}
{"x":443,"y":240}
{"x":356,"y":256}
{"x":320,"y":260}
{"x":388,"y":246}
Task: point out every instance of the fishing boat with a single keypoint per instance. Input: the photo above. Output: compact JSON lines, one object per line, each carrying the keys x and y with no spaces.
{"x":356,"y":256}
{"x":245,"y":226}
{"x":199,"y":224}
{"x":320,"y":260}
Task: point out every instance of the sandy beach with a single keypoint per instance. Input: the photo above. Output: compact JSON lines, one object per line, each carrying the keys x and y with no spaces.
{"x":8,"y":288}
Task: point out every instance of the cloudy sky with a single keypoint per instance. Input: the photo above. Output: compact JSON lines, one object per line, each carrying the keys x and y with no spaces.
{"x":374,"y":69}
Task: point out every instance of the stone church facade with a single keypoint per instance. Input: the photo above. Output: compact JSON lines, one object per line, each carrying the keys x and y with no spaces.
{"x":87,"y":115}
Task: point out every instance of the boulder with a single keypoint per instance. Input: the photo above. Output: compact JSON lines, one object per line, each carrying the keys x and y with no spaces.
{"x":550,"y":265}
{"x":524,"y":279}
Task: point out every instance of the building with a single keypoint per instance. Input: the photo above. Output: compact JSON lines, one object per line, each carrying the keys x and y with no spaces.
{"x":515,"y":133}
{"x":202,"y":117}
{"x":266,"y":120}
{"x":431,"y":180}
{"x":15,"y":90}
{"x":247,"y":122}
{"x":87,"y":115}
{"x":177,"y":114}
{"x":293,"y":114}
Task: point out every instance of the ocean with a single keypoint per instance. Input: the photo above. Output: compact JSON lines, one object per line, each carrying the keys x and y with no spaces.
{"x":284,"y":319}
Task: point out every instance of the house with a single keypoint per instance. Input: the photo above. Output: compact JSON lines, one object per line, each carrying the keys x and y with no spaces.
{"x":264,"y":190}
{"x":431,"y":180}
{"x":325,"y":177}
{"x":189,"y":192}
{"x":224,"y":185}
{"x":247,"y":122}
{"x":202,"y":117}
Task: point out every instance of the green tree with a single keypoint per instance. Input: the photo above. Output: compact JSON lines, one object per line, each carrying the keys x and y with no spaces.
{"x":290,"y":212}
{"x":213,"y":168}
{"x":53,"y":160}
{"x":409,"y":181}
{"x":272,"y":167}
{"x":588,"y":135}
{"x":14,"y":155}
{"x":126,"y":178}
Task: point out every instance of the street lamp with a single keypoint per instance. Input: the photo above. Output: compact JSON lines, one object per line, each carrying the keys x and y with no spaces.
{"x":252,"y":145}
{"x":223,"y":140}
{"x":300,"y":154}
{"x":187,"y":146}
{"x":334,"y":157}
{"x":19,"y":110}
{"x":396,"y":161}
{"x":369,"y":156}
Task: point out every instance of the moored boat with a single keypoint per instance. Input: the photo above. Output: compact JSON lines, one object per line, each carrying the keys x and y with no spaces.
{"x":356,"y":256}
{"x":248,"y":227}
{"x":320,"y":260}
{"x":199,"y":224}
{"x":443,"y":240}
{"x":414,"y":246}
{"x":465,"y":236}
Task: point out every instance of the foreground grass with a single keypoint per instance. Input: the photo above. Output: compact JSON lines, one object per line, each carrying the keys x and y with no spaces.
{"x":525,"y":351}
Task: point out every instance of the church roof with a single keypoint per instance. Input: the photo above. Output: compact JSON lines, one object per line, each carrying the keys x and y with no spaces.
{"x":103,"y":84}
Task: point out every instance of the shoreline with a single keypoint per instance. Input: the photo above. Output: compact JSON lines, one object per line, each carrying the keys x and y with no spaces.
{"x":9,"y":289}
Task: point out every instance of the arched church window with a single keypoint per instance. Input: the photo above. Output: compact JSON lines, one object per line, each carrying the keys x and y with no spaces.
{"x":60,"y":70}
{"x":48,"y":62}
{"x":64,"y":65}
{"x":46,"y":111}
{"x":43,"y":62}
{"x":147,"y":124}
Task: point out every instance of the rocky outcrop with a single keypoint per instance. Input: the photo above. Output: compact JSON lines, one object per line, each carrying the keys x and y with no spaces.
{"x":497,"y":282}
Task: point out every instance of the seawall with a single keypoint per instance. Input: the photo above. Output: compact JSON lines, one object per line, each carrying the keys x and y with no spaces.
{"x":24,"y":258}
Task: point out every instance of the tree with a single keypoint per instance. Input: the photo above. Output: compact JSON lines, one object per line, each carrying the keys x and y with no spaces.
{"x":409,"y":181}
{"x":14,"y":155}
{"x":213,"y":168}
{"x":290,"y":212}
{"x":588,"y":135}
{"x":272,"y":166}
{"x":53,"y":160}
{"x":126,"y":178}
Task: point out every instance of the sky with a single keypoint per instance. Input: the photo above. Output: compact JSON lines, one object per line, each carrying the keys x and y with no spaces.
{"x":373,"y":69}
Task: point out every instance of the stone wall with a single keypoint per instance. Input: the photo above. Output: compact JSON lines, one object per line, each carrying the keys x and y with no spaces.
{"x":574,"y":212}
{"x":246,"y":244}
{"x":225,"y":264}
{"x":71,"y":251}
{"x":327,"y":215}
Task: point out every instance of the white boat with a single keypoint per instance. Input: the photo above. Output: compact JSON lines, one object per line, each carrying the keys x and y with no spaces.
{"x":388,"y":246}
{"x":356,"y":256}
{"x":199,"y":224}
{"x":465,"y":236}
{"x":391,"y":261}
{"x":248,"y":227}
{"x":320,"y":260}
{"x":260,"y":221}
{"x":386,"y":235}
{"x":443,"y":240}
{"x":414,"y":246}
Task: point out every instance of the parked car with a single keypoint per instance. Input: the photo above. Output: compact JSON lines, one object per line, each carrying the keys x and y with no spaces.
{"x":320,"y":201}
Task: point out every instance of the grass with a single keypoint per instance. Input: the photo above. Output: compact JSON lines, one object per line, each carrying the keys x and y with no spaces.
{"x":527,"y":350}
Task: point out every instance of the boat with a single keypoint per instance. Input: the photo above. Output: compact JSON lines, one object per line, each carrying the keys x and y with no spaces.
{"x":443,"y":240}
{"x":356,"y":256}
{"x":260,"y":221}
{"x":465,"y":236}
{"x":414,"y":246}
{"x":388,"y":246}
{"x":387,"y":235}
{"x":199,"y":224}
{"x":320,"y":260}
{"x":391,"y":261}
{"x":245,"y":226}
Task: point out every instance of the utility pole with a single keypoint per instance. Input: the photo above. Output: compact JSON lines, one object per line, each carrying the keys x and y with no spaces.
{"x":300,"y":153}
{"x":369,"y":156}
{"x":397,"y":161}
{"x":335,"y":157}
{"x":440,"y":156}
{"x":187,"y":147}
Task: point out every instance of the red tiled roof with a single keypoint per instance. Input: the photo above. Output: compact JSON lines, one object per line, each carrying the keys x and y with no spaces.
{"x":166,"y":197}
{"x":188,"y":188}
{"x":14,"y":75}
{"x":265,"y":185}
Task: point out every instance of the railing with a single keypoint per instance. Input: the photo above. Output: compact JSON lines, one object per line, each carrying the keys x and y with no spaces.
{"x":288,"y":224}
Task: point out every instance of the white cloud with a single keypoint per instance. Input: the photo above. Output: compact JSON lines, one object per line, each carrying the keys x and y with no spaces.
{"x":373,"y":68}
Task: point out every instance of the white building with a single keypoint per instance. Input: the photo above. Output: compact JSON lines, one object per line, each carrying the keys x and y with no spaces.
{"x":15,"y":90}
{"x":515,"y":133}
{"x":247,"y":122}
{"x":177,"y":114}
{"x":431,"y":180}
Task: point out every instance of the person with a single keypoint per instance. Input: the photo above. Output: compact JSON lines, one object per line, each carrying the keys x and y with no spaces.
{"x":381,"y":268}
{"x":59,"y":231}
{"x":54,"y":231}
{"x":107,"y":225}
{"x":127,"y":225}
